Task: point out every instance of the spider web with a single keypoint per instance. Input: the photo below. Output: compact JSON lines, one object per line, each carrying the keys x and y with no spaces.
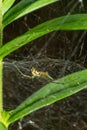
{"x":58,"y":53}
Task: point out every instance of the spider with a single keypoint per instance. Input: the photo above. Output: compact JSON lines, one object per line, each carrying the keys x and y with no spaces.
{"x":43,"y":74}
{"x":35,"y":73}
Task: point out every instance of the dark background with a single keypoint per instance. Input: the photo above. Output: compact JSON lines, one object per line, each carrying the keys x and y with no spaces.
{"x":59,"y":53}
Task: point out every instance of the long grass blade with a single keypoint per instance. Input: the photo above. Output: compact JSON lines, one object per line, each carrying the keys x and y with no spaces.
{"x":6,"y":5}
{"x":24,"y":7}
{"x":72,"y":22}
{"x":51,"y":93}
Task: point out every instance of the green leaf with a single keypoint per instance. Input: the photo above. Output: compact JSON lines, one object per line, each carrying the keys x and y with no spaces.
{"x":51,"y":93}
{"x":2,"y":127}
{"x":24,"y":7}
{"x":6,"y":5}
{"x":4,"y":117}
{"x":71,"y":22}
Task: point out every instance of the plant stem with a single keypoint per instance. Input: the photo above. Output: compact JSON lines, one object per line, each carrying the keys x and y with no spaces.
{"x":1,"y":65}
{"x":1,"y":100}
{"x":0,"y":23}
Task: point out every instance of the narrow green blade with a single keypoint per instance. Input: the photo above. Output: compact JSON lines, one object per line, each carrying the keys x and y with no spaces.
{"x":72,"y":22}
{"x":24,"y":7}
{"x":6,"y":5}
{"x":51,"y":93}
